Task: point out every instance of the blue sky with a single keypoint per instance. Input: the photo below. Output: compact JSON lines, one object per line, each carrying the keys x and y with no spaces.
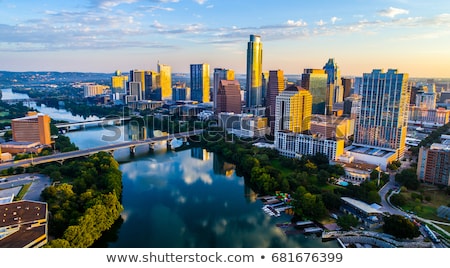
{"x":105,"y":35}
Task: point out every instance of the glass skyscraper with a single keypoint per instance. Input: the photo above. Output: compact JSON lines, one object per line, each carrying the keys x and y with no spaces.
{"x":200,"y":82}
{"x":253,"y":95}
{"x":383,"y":119}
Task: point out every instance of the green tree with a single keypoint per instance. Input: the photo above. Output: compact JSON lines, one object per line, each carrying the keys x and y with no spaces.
{"x":347,"y":221}
{"x":400,"y":227}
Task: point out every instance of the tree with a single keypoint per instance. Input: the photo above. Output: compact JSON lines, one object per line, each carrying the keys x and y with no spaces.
{"x":347,"y":221}
{"x":408,"y":178}
{"x":400,"y":227}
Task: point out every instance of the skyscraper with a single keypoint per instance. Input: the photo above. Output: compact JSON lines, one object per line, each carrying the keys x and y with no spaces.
{"x":200,"y":82}
{"x":119,"y":82}
{"x":165,"y":73}
{"x":293,"y":110}
{"x":229,"y":97}
{"x":254,"y":72}
{"x":220,"y":74}
{"x":335,"y":92}
{"x":274,"y":88}
{"x":382,"y":121}
{"x":33,"y":128}
{"x":137,"y":76}
{"x":315,"y":80}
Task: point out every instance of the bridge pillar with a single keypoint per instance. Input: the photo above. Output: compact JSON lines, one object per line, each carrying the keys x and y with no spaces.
{"x":151,"y":147}
{"x":132,"y":150}
{"x":169,"y":147}
{"x":111,"y":152}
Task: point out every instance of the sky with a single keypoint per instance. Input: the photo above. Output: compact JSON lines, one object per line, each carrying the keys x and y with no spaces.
{"x":412,"y":36}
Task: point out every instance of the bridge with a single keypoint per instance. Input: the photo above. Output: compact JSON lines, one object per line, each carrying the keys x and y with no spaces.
{"x":131,"y":145}
{"x":96,"y":122}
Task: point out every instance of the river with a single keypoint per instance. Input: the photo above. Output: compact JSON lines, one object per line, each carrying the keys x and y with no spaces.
{"x":186,"y":199}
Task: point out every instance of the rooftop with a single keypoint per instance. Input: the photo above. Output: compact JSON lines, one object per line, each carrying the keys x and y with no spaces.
{"x":366,"y":208}
{"x":372,"y":151}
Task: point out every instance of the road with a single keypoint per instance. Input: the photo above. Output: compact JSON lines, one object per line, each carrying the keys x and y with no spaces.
{"x":90,"y":151}
{"x":389,"y":208}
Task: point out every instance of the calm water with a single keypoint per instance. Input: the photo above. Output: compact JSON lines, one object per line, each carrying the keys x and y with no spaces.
{"x":188,"y":199}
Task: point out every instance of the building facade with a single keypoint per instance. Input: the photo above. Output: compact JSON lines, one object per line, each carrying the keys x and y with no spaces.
{"x":434,"y":164}
{"x":200,"y":82}
{"x":335,"y":90}
{"x":254,"y":72}
{"x":315,"y":80}
{"x":220,"y":74}
{"x":119,"y":82}
{"x":296,"y":145}
{"x":229,"y":97}
{"x":33,"y":128}
{"x":293,"y":110}
{"x":382,"y":121}
{"x":165,"y":73}
{"x":94,"y":90}
{"x":274,"y":87}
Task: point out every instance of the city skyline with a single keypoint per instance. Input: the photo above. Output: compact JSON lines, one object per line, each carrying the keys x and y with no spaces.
{"x":105,"y":35}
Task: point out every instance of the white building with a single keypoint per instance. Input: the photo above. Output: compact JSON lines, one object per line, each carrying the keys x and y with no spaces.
{"x":91,"y":90}
{"x":296,"y":145}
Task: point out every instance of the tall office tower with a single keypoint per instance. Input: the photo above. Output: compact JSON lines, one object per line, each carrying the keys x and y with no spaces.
{"x":274,"y":88}
{"x":315,"y":80}
{"x":134,"y":91}
{"x":383,"y":119}
{"x":347,"y":85}
{"x":152,"y":90}
{"x":137,"y":76}
{"x":200,"y":82}
{"x":293,"y":110}
{"x":33,"y":128}
{"x":181,"y":92}
{"x":220,"y":74}
{"x":335,"y":92}
{"x":229,"y":97}
{"x":254,"y":72}
{"x":165,"y":74}
{"x":265,"y":85}
{"x":119,"y":82}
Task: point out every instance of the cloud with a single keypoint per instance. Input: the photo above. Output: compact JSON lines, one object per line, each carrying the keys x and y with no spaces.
{"x":334,"y":20}
{"x":299,"y":23}
{"x":392,"y":12}
{"x":320,"y":23}
{"x":200,"y":2}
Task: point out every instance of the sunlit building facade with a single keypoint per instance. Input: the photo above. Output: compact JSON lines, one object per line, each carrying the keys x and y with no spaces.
{"x":165,"y":73}
{"x":315,"y":80}
{"x":254,"y":72}
{"x":200,"y":82}
{"x":33,"y":128}
{"x":293,"y":110}
{"x":383,"y":118}
{"x":220,"y":74}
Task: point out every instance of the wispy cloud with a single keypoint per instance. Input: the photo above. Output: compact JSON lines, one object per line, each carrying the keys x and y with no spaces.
{"x":200,"y":2}
{"x":298,"y":23}
{"x":334,"y":20}
{"x":392,"y":12}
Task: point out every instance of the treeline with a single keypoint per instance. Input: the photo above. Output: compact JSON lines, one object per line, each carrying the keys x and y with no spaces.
{"x":86,"y":202}
{"x":306,"y":179}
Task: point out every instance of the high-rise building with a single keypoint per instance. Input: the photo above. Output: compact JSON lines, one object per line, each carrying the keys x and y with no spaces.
{"x":254,"y":72}
{"x":293,"y":110}
{"x":137,"y":76}
{"x":200,"y":82}
{"x":275,"y":86}
{"x":433,"y":164}
{"x":33,"y":128}
{"x":229,"y":97}
{"x":315,"y":80}
{"x":347,"y":85}
{"x":264,"y":88}
{"x":382,"y":121}
{"x":134,"y":91}
{"x":181,"y":92}
{"x":220,"y":74}
{"x":152,"y":90}
{"x":165,"y":73}
{"x":119,"y":82}
{"x":335,"y":92}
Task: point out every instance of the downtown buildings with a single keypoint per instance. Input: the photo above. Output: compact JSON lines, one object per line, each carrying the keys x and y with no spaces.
{"x":381,"y":125}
